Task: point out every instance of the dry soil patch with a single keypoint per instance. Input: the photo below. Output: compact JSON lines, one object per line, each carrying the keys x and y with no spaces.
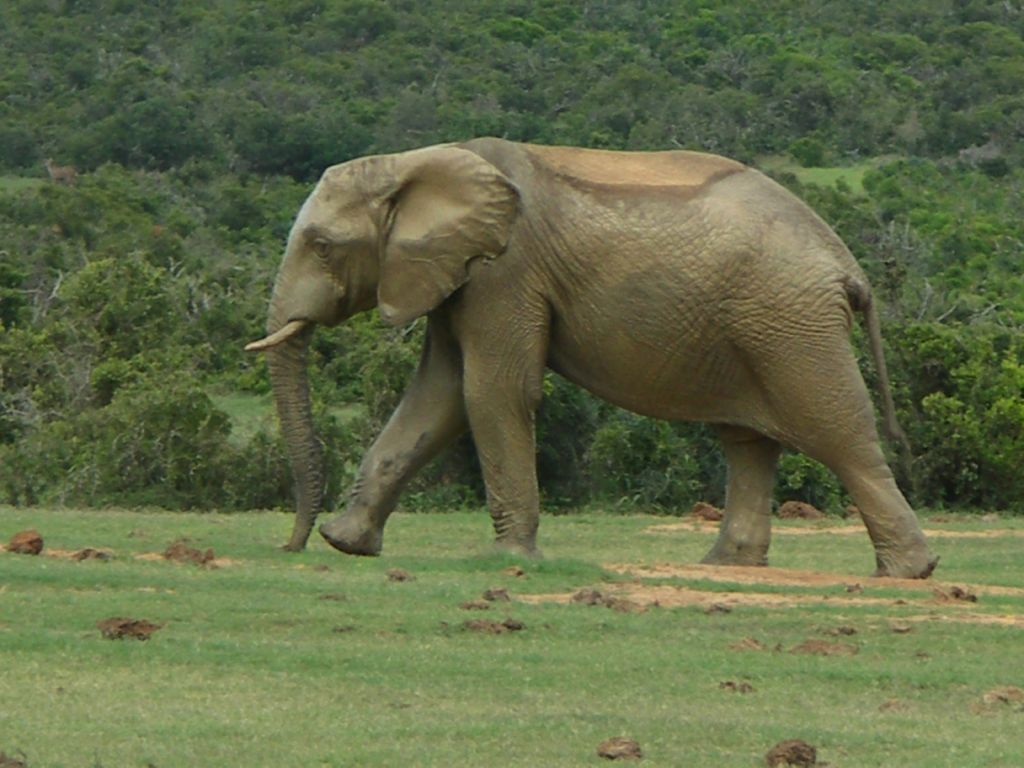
{"x":792,"y":577}
{"x":926,"y":595}
{"x":703,"y":526}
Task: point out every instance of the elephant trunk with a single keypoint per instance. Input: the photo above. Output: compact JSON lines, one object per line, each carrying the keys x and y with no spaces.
{"x":288,"y":377}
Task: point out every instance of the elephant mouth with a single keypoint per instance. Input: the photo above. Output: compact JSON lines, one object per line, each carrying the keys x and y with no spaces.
{"x":279,"y":336}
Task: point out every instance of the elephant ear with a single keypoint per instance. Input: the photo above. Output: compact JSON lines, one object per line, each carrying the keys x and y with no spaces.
{"x":450,"y":206}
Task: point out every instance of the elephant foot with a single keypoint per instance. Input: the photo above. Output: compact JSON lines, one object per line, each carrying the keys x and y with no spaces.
{"x":352,"y":536}
{"x":905,"y":568}
{"x":735,"y":554}
{"x":300,"y":535}
{"x":519,"y":548}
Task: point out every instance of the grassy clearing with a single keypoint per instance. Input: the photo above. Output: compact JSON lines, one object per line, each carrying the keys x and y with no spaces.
{"x":18,"y":183}
{"x":251,"y":413}
{"x":850,"y":175}
{"x":319,"y":659}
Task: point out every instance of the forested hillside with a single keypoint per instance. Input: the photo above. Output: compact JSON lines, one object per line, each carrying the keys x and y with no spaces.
{"x":197,"y":129}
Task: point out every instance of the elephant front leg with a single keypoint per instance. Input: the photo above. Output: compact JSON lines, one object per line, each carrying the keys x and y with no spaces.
{"x":430,"y":416}
{"x":502,"y":418}
{"x":746,"y":526}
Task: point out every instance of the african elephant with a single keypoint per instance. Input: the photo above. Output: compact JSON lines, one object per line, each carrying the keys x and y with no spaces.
{"x":676,"y":284}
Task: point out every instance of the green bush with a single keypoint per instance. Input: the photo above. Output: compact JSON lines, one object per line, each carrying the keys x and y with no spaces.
{"x":968,"y":431}
{"x":800,"y":478}
{"x":636,"y":461}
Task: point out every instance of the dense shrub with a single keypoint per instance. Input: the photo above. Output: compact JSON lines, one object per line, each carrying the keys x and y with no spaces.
{"x":198,"y":129}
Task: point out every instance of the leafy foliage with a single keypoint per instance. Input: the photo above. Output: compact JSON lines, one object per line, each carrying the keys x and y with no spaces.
{"x":197,"y":129}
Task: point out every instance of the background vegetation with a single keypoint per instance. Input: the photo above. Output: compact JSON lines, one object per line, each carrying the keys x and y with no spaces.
{"x":199,"y":127}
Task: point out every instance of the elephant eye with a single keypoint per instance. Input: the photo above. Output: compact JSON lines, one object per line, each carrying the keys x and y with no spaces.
{"x":322,"y":249}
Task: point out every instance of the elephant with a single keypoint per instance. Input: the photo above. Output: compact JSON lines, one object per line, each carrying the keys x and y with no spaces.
{"x":676,"y":284}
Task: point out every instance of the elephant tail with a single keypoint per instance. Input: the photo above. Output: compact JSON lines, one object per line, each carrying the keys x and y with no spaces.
{"x":862,"y":301}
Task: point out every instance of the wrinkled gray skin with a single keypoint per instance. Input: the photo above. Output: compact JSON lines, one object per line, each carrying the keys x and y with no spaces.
{"x":675,"y":284}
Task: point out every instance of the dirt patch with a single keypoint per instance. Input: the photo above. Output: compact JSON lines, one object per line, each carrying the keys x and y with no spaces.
{"x":620,"y":748}
{"x":475,"y":605}
{"x":703,"y":526}
{"x":9,"y":761}
{"x":514,"y":571}
{"x":635,"y":596}
{"x":26,"y":543}
{"x":399,"y":575}
{"x":748,"y":644}
{"x":704,"y":511}
{"x":180,"y":552}
{"x":953,"y":593}
{"x":675,"y":596}
{"x":591,"y":596}
{"x":825,"y":648}
{"x":1002,"y":695}
{"x":89,"y":553}
{"x":118,"y":628}
{"x":843,"y":630}
{"x":792,"y":752}
{"x":496,"y":595}
{"x":735,"y":574}
{"x":216,"y":562}
{"x":799,"y":510}
{"x":994,"y":619}
{"x":489,"y":627}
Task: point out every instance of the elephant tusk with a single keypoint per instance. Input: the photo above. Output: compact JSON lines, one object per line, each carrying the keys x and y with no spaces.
{"x":284,"y":333}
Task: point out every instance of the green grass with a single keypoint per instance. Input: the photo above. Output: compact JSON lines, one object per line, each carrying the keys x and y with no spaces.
{"x":250,"y":413}
{"x":850,"y":175}
{"x":249,"y":669}
{"x":18,"y":183}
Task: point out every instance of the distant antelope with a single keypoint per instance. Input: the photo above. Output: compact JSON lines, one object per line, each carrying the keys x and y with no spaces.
{"x":61,"y":174}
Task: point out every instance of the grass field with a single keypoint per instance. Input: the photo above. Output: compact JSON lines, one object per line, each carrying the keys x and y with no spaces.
{"x":250,"y":413}
{"x":314,"y":659}
{"x":18,"y":183}
{"x":851,"y":175}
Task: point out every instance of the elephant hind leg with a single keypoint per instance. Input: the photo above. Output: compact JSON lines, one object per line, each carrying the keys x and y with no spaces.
{"x":746,"y":527}
{"x":824,"y":410}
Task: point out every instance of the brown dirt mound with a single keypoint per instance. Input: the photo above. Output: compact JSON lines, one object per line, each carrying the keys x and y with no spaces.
{"x":799,"y":510}
{"x":946,"y":595}
{"x":91,"y":554}
{"x":620,"y":748}
{"x":496,"y":595}
{"x":26,"y":543}
{"x":791,"y":752}
{"x":704,"y":511}
{"x":488,"y":627}
{"x":118,"y":628}
{"x":591,"y":596}
{"x":180,"y":552}
{"x":397,"y":574}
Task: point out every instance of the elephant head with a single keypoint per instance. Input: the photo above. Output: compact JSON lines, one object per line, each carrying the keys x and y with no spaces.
{"x":392,"y":231}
